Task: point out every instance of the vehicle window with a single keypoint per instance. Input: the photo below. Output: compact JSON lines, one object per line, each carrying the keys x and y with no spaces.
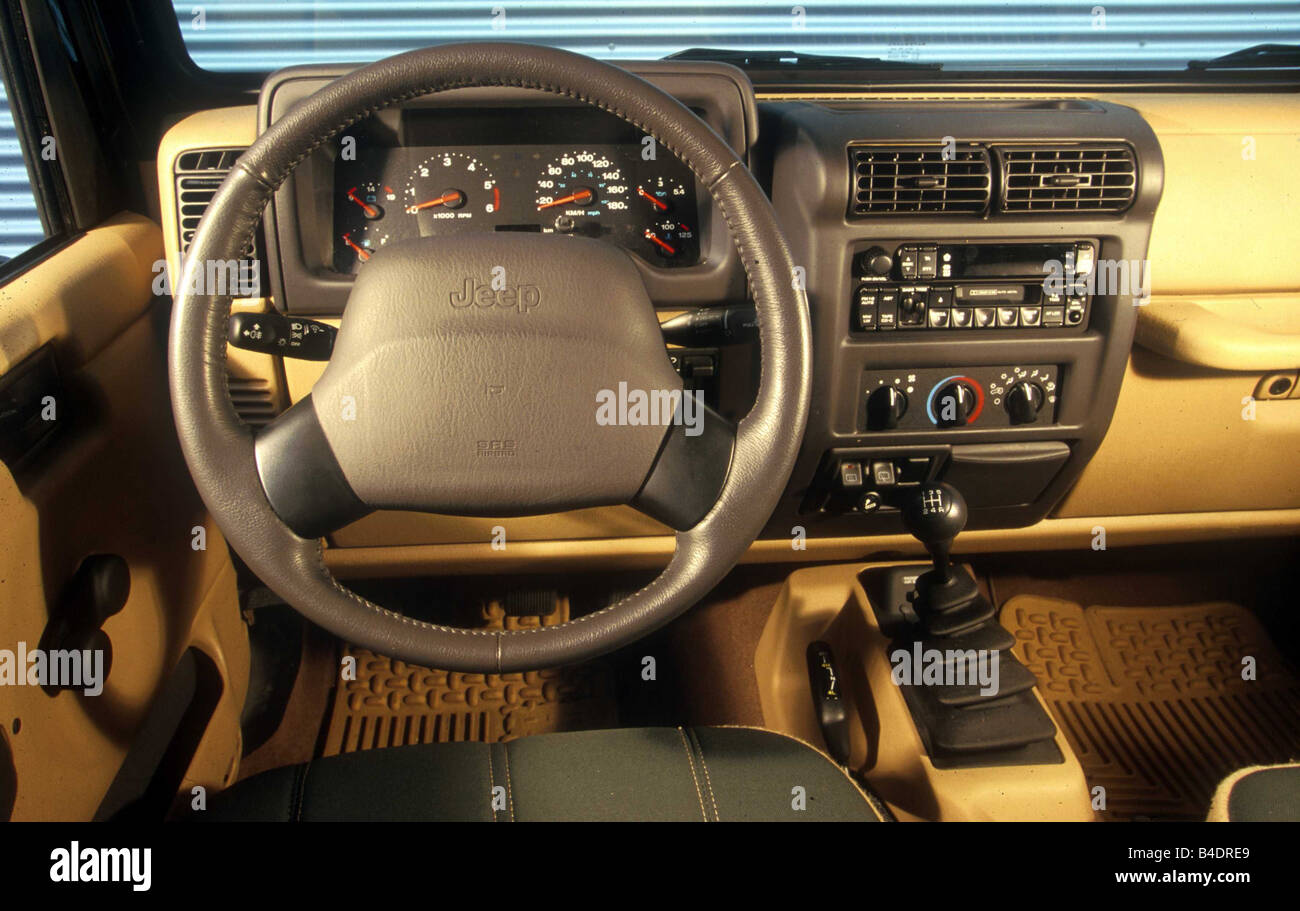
{"x":264,"y":35}
{"x":20,"y":221}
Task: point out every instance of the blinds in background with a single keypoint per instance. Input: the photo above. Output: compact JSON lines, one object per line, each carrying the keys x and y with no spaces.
{"x":263,"y":35}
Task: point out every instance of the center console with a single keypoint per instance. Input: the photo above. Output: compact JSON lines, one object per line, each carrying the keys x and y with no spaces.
{"x":972,"y":271}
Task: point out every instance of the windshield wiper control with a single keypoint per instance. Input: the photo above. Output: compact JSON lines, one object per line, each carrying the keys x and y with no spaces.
{"x":712,"y":326}
{"x":273,"y":333}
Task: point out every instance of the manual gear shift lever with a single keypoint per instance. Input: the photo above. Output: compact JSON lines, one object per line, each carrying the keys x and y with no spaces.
{"x":935,"y":513}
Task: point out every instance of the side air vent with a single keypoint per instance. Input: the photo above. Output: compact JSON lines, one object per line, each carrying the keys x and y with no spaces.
{"x":910,"y":180}
{"x":198,"y":174}
{"x":252,"y":399}
{"x":1085,"y":177}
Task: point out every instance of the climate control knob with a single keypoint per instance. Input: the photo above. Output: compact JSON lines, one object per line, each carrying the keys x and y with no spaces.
{"x":875,"y":261}
{"x":885,"y":408}
{"x":1023,"y":402}
{"x":954,"y":404}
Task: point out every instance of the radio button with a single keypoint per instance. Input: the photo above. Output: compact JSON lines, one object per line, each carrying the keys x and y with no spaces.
{"x":986,"y":317}
{"x":1053,"y":316}
{"x":907,"y":262}
{"x":1030,"y":316}
{"x":939,"y":319}
{"x":887,"y":311}
{"x":1008,"y":316}
{"x":962,"y":318}
{"x":940,"y":297}
{"x":927,"y":262}
{"x":867,"y":317}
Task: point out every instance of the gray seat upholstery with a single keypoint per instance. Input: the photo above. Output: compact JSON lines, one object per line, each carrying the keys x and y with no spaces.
{"x":685,"y":774}
{"x":1258,"y":794}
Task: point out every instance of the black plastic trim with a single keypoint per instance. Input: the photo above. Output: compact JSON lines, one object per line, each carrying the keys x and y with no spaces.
{"x":689,"y":472}
{"x":300,"y":476}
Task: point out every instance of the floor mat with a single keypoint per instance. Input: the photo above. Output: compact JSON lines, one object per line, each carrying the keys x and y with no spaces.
{"x":1153,"y":700}
{"x":392,"y":703}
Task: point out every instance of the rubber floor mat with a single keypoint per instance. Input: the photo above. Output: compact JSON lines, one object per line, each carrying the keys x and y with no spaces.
{"x":392,"y":703}
{"x":1153,"y":700}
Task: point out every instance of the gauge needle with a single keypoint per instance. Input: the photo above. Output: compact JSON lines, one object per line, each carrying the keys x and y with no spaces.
{"x":663,"y":206}
{"x":443,"y":200}
{"x":360,"y":250}
{"x":654,"y":239}
{"x":371,"y":211}
{"x":580,"y":196}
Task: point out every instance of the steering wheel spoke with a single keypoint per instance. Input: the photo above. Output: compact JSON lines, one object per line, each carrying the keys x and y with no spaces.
{"x":301,"y":476}
{"x":689,"y":473}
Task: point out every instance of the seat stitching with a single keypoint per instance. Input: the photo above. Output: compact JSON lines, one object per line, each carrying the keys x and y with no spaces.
{"x":300,"y":794}
{"x":708,"y":781}
{"x":492,"y":796}
{"x":510,"y":800}
{"x":690,"y":761}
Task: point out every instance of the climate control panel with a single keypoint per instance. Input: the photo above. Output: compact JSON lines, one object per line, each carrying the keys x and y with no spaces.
{"x":949,"y":398}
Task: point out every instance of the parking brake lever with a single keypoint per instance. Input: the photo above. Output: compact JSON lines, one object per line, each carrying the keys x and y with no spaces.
{"x":273,"y":333}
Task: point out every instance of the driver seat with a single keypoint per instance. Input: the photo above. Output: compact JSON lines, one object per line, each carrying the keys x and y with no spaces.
{"x":704,"y":774}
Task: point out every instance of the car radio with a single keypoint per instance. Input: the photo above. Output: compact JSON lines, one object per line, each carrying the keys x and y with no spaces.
{"x":971,"y":286}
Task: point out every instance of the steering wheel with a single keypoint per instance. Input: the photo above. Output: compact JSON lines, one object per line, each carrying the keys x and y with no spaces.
{"x":468,"y":374}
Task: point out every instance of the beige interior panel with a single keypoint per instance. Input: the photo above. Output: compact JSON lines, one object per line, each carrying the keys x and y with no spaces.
{"x":1230,"y":332}
{"x":100,"y":284}
{"x":654,"y":552}
{"x":1181,"y":441}
{"x":113,"y":482}
{"x":827,"y":603}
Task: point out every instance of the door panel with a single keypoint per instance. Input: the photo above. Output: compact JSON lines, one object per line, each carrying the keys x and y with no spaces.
{"x":111,"y":482}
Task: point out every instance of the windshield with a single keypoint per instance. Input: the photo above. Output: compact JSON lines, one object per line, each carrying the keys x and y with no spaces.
{"x":264,"y":35}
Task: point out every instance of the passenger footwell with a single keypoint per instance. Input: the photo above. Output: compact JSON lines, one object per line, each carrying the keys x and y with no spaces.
{"x":1159,"y":703}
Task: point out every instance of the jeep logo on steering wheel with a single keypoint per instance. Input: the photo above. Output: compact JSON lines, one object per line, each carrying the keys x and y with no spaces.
{"x":520,"y":297}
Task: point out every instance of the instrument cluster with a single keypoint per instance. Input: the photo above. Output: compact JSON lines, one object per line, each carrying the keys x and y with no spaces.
{"x":628,"y":193}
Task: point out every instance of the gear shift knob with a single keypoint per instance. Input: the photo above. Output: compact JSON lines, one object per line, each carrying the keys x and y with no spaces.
{"x":935,"y":513}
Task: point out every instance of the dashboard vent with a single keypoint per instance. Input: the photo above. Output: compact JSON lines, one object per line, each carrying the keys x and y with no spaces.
{"x":198,"y":175}
{"x":910,"y":180}
{"x":1074,"y":178}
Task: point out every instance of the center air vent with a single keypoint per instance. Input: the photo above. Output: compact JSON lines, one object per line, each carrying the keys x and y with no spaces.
{"x":909,"y":180}
{"x":1085,"y":177}
{"x":198,"y":174}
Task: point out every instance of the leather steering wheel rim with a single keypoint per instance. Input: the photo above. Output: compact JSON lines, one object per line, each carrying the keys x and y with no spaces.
{"x":219,"y":448}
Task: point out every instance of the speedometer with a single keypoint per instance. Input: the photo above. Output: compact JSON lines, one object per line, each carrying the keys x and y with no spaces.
{"x":582,"y":192}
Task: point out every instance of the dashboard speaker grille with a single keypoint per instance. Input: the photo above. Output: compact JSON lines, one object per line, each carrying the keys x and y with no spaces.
{"x":1074,"y":178}
{"x":198,"y":175}
{"x":889,"y":180}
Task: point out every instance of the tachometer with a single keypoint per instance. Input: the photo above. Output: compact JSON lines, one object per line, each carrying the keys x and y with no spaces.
{"x":582,"y":192}
{"x":448,"y":190}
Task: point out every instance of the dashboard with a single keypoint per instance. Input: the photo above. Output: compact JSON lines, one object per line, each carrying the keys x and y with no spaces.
{"x":558,"y":170}
{"x":925,"y":264}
